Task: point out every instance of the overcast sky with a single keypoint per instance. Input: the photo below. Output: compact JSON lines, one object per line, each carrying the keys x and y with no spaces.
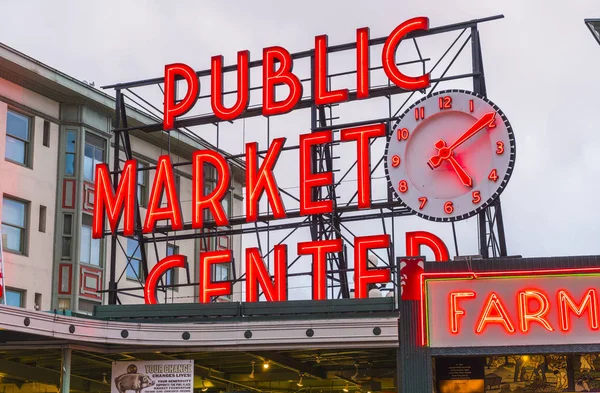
{"x":541,"y":66}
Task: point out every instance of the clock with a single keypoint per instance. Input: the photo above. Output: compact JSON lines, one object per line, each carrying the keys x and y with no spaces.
{"x":450,"y":155}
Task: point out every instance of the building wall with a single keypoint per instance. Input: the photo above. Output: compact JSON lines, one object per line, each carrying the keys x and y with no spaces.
{"x":35,"y":185}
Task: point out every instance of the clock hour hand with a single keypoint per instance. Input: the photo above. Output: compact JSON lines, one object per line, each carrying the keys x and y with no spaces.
{"x":444,"y":152}
{"x":463,"y":176}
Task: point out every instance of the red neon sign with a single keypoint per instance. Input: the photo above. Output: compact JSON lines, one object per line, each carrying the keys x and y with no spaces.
{"x":123,"y":201}
{"x":277,"y":70}
{"x":164,"y":183}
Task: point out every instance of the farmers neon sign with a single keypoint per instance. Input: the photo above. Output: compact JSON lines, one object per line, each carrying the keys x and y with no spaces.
{"x":277,"y":65}
{"x":542,"y":309}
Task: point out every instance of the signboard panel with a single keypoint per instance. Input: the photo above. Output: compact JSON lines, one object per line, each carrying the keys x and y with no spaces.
{"x":490,"y":311}
{"x":166,"y":376}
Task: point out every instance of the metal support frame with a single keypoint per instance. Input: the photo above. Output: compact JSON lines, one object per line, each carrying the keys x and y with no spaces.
{"x":490,"y":222}
{"x":328,"y":226}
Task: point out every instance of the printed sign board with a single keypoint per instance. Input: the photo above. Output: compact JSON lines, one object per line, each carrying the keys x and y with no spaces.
{"x":164,"y":376}
{"x":549,"y":308}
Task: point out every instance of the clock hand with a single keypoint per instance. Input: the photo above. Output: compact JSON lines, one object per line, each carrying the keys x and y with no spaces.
{"x":463,"y":176}
{"x":445,"y":152}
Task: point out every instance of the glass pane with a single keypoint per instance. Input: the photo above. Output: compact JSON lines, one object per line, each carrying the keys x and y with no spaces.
{"x":66,"y":247}
{"x":98,"y":155}
{"x":14,"y":240}
{"x":133,"y":269}
{"x":13,"y":212}
{"x":67,"y":226}
{"x":88,"y":163}
{"x":15,"y":150}
{"x":70,"y":164}
{"x":86,"y":240}
{"x":133,"y":249}
{"x":17,"y":125}
{"x":171,"y":249}
{"x":71,"y":141}
{"x":14,"y":298}
{"x":95,"y":257}
{"x":169,"y":276}
{"x":141,"y":174}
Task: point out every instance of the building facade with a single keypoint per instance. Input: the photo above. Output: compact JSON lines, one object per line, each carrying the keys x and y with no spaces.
{"x":56,"y":130}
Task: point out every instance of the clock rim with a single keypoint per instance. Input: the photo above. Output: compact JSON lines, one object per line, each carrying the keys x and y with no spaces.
{"x":499,"y":189}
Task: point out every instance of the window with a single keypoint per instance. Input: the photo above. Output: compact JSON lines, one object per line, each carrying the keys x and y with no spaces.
{"x":170,"y":277}
{"x":134,"y":254}
{"x":15,"y":298}
{"x":64,"y":304}
{"x":90,"y":248}
{"x":14,"y":225}
{"x":18,"y":138}
{"x":94,"y":155}
{"x":67,"y":236}
{"x":227,"y":204}
{"x":46,"y":138}
{"x":42,"y":222}
{"x":221,"y":272}
{"x":70,"y":149}
{"x":142,"y":184}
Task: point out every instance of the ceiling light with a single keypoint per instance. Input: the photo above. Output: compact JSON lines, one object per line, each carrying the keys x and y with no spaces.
{"x":318,"y":359}
{"x":252,"y":373}
{"x":299,"y":383}
{"x":266,"y":365}
{"x":204,"y":388}
{"x":346,"y":388}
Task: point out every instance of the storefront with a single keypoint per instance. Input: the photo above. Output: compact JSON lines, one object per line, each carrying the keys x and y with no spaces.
{"x":524,"y":325}
{"x":348,"y":345}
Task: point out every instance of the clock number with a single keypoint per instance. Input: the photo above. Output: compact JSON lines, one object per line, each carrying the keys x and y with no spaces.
{"x":395,"y":161}
{"x":493,"y":176}
{"x":423,"y":201}
{"x":403,"y":134}
{"x":492,"y":123}
{"x":448,"y":207}
{"x":445,"y":102}
{"x":471,"y":106}
{"x":476,"y":197}
{"x":403,"y":186}
{"x":420,"y":113}
{"x":499,"y":147}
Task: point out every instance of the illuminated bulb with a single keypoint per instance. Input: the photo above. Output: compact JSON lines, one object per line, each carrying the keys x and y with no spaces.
{"x":346,"y":388}
{"x":299,"y":383}
{"x":266,"y":365}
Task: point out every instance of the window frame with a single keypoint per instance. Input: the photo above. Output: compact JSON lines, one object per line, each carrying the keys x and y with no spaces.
{"x":25,"y":230}
{"x":28,"y":151}
{"x":67,"y":235}
{"x":95,"y":147}
{"x":21,"y":292}
{"x":69,"y":153}
{"x":92,"y":240}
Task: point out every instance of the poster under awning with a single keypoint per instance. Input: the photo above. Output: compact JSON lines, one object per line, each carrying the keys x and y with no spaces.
{"x":158,"y":376}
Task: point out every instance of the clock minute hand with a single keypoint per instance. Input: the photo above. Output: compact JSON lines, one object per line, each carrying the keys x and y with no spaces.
{"x":485,"y":120}
{"x":444,"y":152}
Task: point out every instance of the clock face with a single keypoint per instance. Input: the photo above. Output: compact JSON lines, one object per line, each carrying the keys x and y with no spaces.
{"x":450,"y":155}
